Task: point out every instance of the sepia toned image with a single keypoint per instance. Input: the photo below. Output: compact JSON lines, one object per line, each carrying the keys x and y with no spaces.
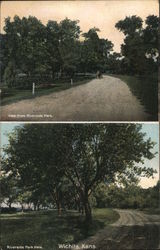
{"x":79,"y":60}
{"x":80,"y":186}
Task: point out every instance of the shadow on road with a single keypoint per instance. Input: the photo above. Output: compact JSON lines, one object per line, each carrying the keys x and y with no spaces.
{"x":131,"y":237}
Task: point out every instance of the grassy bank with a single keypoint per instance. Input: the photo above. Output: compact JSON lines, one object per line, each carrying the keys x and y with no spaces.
{"x":146,"y":89}
{"x":16,"y":95}
{"x":152,"y":211}
{"x":46,"y":229}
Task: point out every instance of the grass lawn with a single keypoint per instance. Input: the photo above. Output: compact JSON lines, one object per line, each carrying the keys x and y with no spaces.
{"x":146,"y":89}
{"x":47,"y":229}
{"x":152,"y":211}
{"x":18,"y":95}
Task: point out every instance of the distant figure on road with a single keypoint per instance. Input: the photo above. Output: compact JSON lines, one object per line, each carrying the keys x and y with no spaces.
{"x":98,"y":74}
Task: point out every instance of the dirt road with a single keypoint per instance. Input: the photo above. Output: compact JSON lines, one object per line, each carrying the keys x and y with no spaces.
{"x":133,"y":217}
{"x":106,"y":99}
{"x":134,"y":230}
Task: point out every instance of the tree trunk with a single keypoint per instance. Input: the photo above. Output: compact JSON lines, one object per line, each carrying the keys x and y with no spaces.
{"x":59,"y":208}
{"x":22,"y":207}
{"x":87,"y":209}
{"x":53,"y":74}
{"x":34,"y":206}
{"x":79,"y":209}
{"x":57,"y":196}
{"x":82,"y":210}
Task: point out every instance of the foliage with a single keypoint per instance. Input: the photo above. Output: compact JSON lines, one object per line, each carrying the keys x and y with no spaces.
{"x":95,"y":51}
{"x":54,"y":50}
{"x":140,"y":48}
{"x":130,"y":196}
{"x":9,"y":190}
{"x":146,"y":89}
{"x":9,"y":74}
{"x":61,"y":163}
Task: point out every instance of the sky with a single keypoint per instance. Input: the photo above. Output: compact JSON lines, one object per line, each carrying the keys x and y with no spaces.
{"x":101,"y":14}
{"x":151,"y":130}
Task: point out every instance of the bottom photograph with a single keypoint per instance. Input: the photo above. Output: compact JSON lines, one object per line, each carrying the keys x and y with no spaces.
{"x":80,"y":186}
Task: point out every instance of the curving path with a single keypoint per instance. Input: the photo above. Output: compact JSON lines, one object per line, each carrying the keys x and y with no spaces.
{"x":134,"y":230}
{"x":106,"y":99}
{"x":134,"y":217}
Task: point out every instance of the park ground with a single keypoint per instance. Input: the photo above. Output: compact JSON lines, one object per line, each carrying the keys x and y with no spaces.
{"x":47,"y":229}
{"x":111,"y":229}
{"x":109,"y":98}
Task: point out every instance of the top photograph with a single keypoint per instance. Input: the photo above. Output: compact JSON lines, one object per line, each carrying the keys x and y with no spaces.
{"x":79,"y":60}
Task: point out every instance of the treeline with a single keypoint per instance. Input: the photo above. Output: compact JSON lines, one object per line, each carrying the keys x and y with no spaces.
{"x":140,"y":48}
{"x":130,"y":196}
{"x":56,"y":49}
{"x":53,"y":49}
{"x":104,"y":196}
{"x":62,"y":165}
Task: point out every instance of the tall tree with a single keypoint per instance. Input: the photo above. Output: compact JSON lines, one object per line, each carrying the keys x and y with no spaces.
{"x":86,"y":155}
{"x":25,"y":43}
{"x":140,"y":47}
{"x":95,"y":51}
{"x":53,"y":53}
{"x":69,"y":32}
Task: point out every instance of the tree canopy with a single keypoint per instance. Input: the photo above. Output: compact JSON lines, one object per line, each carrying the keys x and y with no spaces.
{"x":140,"y":47}
{"x":50,"y":159}
{"x":61,"y":49}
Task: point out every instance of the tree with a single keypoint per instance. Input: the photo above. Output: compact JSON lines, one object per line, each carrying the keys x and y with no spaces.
{"x":114,"y":63}
{"x":53,"y":53}
{"x":150,"y":36}
{"x":100,"y":193}
{"x":95,"y":51}
{"x":63,"y":46}
{"x":9,"y":190}
{"x":23,"y":198}
{"x":39,"y":174}
{"x":10,"y":74}
{"x":130,"y":25}
{"x":140,"y":47}
{"x":3,"y":55}
{"x":132,"y":48}
{"x":130,"y":196}
{"x":69,"y":32}
{"x":25,"y":43}
{"x":86,"y":155}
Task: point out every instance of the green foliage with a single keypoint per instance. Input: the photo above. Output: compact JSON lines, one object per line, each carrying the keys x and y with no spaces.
{"x":23,"y":197}
{"x":9,"y":74}
{"x":129,"y":25}
{"x":95,"y":51}
{"x":9,"y":189}
{"x":67,"y":162}
{"x":146,"y":89}
{"x":140,"y":48}
{"x":114,"y":63}
{"x":56,"y":49}
{"x":25,"y":43}
{"x":101,"y":196}
{"x":130,"y":196}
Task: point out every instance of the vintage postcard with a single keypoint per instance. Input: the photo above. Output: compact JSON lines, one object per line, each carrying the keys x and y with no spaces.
{"x":79,"y":60}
